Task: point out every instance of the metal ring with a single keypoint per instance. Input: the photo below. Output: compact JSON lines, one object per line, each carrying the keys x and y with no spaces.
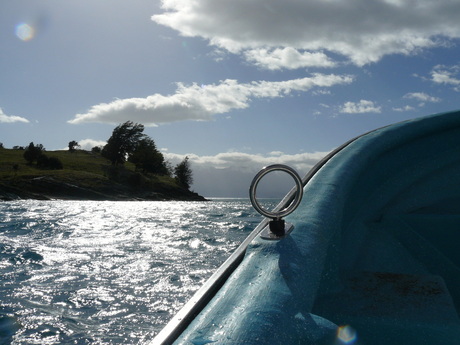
{"x":292,"y":206}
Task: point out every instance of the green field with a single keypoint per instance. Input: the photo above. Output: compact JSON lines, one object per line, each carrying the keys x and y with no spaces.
{"x":79,"y":165}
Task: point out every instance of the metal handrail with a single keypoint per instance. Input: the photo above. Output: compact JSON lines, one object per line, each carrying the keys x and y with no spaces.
{"x":278,"y":214}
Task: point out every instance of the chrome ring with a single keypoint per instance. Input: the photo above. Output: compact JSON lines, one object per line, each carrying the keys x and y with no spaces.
{"x":292,"y":206}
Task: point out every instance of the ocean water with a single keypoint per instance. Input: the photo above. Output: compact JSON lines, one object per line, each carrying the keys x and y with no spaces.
{"x":91,"y":272}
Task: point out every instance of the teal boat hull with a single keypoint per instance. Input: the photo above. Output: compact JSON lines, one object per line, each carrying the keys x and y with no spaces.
{"x":373,"y":257}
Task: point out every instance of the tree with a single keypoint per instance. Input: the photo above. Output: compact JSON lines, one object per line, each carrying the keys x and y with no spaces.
{"x":52,"y":163}
{"x":73,"y":146}
{"x":183,"y":173}
{"x":147,"y":158}
{"x":32,"y":152}
{"x":123,"y":142}
{"x":42,"y":161}
{"x":55,"y":163}
{"x":169,"y":169}
{"x":96,"y":149}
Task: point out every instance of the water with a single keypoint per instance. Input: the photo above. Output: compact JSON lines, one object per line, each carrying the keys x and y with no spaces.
{"x":89,"y":272}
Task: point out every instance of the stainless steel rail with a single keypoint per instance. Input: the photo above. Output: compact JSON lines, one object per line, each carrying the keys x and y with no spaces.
{"x":290,"y":207}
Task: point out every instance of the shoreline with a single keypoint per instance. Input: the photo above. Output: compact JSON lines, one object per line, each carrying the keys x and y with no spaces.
{"x":48,"y":188}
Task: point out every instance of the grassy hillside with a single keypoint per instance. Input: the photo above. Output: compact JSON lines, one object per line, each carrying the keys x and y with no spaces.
{"x":85,"y":175}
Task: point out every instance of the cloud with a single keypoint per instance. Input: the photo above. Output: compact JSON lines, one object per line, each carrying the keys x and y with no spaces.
{"x":405,"y":108}
{"x":245,"y":162}
{"x":201,"y":103}
{"x":446,"y":75}
{"x":10,"y":119}
{"x":288,"y":57}
{"x":363,"y":31}
{"x":421,"y":96}
{"x":230,"y":174}
{"x":88,"y":144}
{"x":362,"y":106}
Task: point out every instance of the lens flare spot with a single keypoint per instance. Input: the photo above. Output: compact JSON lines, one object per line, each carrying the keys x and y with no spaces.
{"x":25,"y":32}
{"x":346,"y":335}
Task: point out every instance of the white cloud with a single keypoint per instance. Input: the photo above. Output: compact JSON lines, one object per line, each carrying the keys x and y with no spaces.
{"x":88,"y":144}
{"x":287,"y":58}
{"x":405,"y":108}
{"x":245,"y":162}
{"x":363,"y":31}
{"x":201,"y":103}
{"x":10,"y":118}
{"x":422,"y":97}
{"x":363,"y":106}
{"x":446,"y":75}
{"x":276,"y":153}
{"x":321,"y":92}
{"x":230,"y":174}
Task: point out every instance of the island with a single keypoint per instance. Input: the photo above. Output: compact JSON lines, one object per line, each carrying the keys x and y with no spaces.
{"x":83,"y":175}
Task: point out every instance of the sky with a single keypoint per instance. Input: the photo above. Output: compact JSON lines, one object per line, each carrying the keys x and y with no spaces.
{"x":235,"y":85}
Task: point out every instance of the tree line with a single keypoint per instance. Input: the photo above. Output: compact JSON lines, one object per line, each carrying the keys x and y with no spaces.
{"x":128,"y":143}
{"x":36,"y":153}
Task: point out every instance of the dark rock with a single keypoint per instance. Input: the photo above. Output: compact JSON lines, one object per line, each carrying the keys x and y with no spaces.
{"x":48,"y":188}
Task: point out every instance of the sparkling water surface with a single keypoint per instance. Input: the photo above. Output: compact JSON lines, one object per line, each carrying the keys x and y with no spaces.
{"x":92,"y":272}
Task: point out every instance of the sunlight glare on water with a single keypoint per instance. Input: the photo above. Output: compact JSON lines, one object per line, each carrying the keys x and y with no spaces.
{"x":108,"y":272}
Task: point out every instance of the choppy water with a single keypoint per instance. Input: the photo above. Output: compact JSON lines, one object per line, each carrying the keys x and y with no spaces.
{"x":93,"y":272}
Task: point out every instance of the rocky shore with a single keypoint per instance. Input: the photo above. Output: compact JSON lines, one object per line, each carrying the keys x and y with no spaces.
{"x":50,"y":188}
